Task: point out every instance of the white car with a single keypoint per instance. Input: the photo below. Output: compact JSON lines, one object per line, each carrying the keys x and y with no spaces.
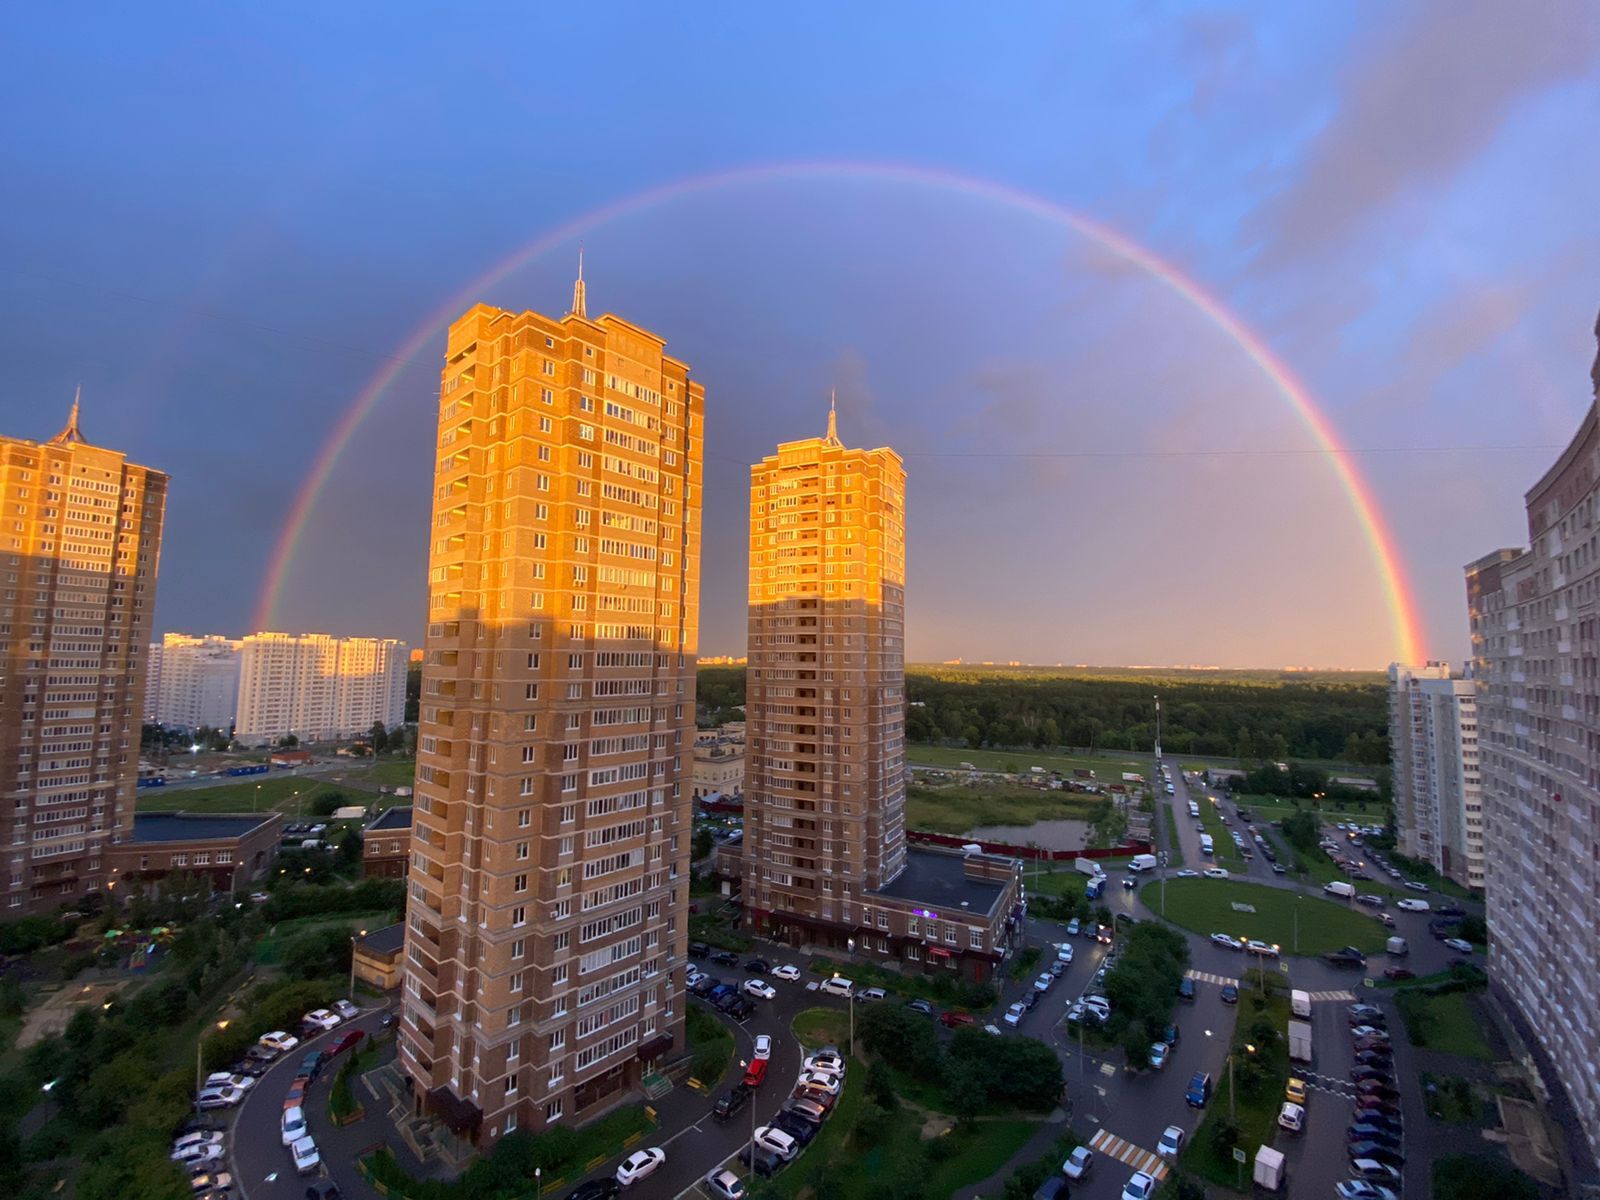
{"x":279,"y":1040}
{"x":1292,"y":1116}
{"x":1158,"y":1055}
{"x":294,"y":1125}
{"x":218,"y":1097}
{"x":763,"y":1046}
{"x":223,"y":1079}
{"x":1261,"y":948}
{"x":1064,"y":953}
{"x":322,"y":1018}
{"x":1414,"y":886}
{"x":760,"y":990}
{"x":1226,"y":942}
{"x":1140,"y":1187}
{"x":825,"y":1060}
{"x":346,"y":1010}
{"x":201,"y":1154}
{"x":210,"y":1137}
{"x":825,"y":1080}
{"x":640,"y":1165}
{"x":1015,"y":1013}
{"x":306,"y":1158}
{"x":210,"y":1183}
{"x":1188,"y":873}
{"x":769,"y":1137}
{"x":993,"y":1030}
{"x":788,"y":972}
{"x":1460,"y":944}
{"x":1411,"y":905}
{"x":1360,"y":1189}
{"x":1078,"y":1163}
{"x":1213,"y":873}
{"x":1171,"y":1142}
{"x":838,"y":987}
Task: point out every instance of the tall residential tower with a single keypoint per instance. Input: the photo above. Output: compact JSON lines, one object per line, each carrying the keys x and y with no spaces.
{"x":547,"y":929}
{"x":82,"y":544}
{"x":317,"y":687}
{"x":1433,"y":743}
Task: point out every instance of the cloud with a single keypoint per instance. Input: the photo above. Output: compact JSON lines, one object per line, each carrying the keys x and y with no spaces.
{"x":1422,"y":105}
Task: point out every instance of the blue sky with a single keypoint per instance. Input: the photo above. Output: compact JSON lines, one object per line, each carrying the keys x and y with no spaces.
{"x":223,"y":222}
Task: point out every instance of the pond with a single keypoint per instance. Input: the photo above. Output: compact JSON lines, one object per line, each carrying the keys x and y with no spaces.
{"x":1062,"y":834}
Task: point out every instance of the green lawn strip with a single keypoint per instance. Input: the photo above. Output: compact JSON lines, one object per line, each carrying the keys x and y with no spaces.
{"x":1256,"y":1112}
{"x":1443,"y":1022}
{"x":979,"y":1153}
{"x":1167,"y":819}
{"x":711,"y":1043}
{"x":821,"y":1027}
{"x":1424,"y":873}
{"x":278,"y":793}
{"x":957,"y":807}
{"x":1224,"y":851}
{"x":1065,"y":879}
{"x":716,"y":931}
{"x":1452,"y":1098}
{"x":1206,"y":906}
{"x":830,"y":1150}
{"x":1276,"y":808}
{"x":1107,"y":769}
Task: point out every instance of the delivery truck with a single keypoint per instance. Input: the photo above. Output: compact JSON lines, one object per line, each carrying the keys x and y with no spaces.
{"x":1300,"y":1041}
{"x":1396,"y":947}
{"x":1341,"y":889}
{"x":1142,"y":862}
{"x":1300,"y":1004}
{"x":1268,"y":1175}
{"x":1087,"y":866}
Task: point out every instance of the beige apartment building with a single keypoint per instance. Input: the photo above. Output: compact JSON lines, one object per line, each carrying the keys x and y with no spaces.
{"x":825,"y":855}
{"x":547,"y":931}
{"x":81,"y":546}
{"x":1433,"y":744}
{"x":1535,"y":620}
{"x":317,"y":687}
{"x":718,"y":765}
{"x":193,"y":682}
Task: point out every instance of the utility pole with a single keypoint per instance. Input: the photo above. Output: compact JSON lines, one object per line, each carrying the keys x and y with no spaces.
{"x":1158,"y":730}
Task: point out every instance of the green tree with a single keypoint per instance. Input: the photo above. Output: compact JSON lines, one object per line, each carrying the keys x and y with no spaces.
{"x":379,"y":737}
{"x":288,"y":741}
{"x":350,"y":847}
{"x":903,"y":1037}
{"x":1135,"y":1043}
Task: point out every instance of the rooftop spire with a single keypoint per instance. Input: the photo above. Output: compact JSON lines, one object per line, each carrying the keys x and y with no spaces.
{"x":71,"y":435}
{"x":833,"y":416}
{"x":580,"y":306}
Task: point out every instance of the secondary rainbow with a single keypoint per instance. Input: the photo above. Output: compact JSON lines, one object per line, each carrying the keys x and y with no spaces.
{"x":1380,"y":541}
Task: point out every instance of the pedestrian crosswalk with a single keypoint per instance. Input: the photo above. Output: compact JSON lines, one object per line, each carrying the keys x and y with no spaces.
{"x":1140,"y":1160}
{"x":1344,"y":997}
{"x":1208,"y":977}
{"x":1327,"y":1083}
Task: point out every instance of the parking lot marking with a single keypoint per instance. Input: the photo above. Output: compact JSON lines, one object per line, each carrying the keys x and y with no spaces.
{"x":1208,"y":977}
{"x":1124,"y":1151}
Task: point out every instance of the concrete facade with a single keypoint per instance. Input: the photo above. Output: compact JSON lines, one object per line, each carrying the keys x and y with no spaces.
{"x":80,"y":553}
{"x":1535,"y":620}
{"x":1433,"y":743}
{"x":317,"y":687}
{"x":547,"y":922}
{"x":194,"y":681}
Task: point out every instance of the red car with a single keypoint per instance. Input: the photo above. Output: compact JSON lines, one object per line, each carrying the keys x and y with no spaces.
{"x":351,"y":1038}
{"x":954,"y":1020}
{"x":297,"y":1093}
{"x":1399,"y":973}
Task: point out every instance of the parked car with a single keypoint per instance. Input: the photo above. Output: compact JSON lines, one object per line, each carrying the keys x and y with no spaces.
{"x":805,"y":1110}
{"x":723,"y":1184}
{"x":346,"y":1010}
{"x":837,"y":986}
{"x":306,"y":1158}
{"x":1226,"y":942}
{"x":770,"y":1137}
{"x":1079,"y":1163}
{"x":762,"y":1161}
{"x":951,"y":1019}
{"x":1141,"y":1187}
{"x":787,"y":971}
{"x":1015,"y":1013}
{"x":1371,"y":1168}
{"x":200,"y":1154}
{"x":1292,"y":1117}
{"x":1399,"y":973}
{"x":1230,"y":994}
{"x":1376,"y":1153}
{"x":826,"y":1060}
{"x":218,"y":1097}
{"x":1410,"y":905}
{"x":349,"y":1039}
{"x":758,"y":966}
{"x":322,"y":1018}
{"x":278,"y":1041}
{"x":729,"y":1103}
{"x":760,"y":990}
{"x":641,"y":1164}
{"x":797,"y":1127}
{"x":1459,"y":944}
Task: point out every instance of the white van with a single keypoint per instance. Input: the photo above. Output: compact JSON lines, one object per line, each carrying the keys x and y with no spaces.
{"x":1300,"y":1004}
{"x":1341,"y":889}
{"x":838,"y":987}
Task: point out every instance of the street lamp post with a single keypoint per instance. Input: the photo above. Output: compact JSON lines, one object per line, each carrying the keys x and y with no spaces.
{"x":199,"y":1067}
{"x":1297,"y":922}
{"x":743,"y":1065}
{"x":852,"y":1016}
{"x":353,"y":937}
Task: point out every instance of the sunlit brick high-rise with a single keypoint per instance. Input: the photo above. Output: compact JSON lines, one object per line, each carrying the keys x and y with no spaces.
{"x":547,"y":930}
{"x":825,"y":856}
{"x":1535,"y":644}
{"x":82,"y":545}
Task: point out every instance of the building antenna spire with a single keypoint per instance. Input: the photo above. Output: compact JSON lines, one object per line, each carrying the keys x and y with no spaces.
{"x":71,"y":435}
{"x":833,"y":415}
{"x":580,"y":307}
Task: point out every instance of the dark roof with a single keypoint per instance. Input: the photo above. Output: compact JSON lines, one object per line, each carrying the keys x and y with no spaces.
{"x":195,"y":827}
{"x":387,"y":940}
{"x":398,"y":817}
{"x":940,"y":882}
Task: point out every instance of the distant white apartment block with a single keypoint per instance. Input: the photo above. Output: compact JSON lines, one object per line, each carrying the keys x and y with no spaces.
{"x":1433,"y":742}
{"x":317,"y":687}
{"x":194,"y":681}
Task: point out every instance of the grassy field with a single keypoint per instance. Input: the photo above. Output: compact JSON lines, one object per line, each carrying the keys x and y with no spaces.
{"x":270,"y":947}
{"x":281,"y":793}
{"x":390,"y":772}
{"x":1256,"y":1111}
{"x":959,"y":807}
{"x":1206,"y":906}
{"x":1107,"y":770}
{"x":1275,"y":808}
{"x":821,"y":1027}
{"x":1444,"y":1023}
{"x":711,"y":1042}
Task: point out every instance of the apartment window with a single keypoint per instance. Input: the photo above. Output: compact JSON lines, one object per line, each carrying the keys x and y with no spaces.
{"x":519,"y":883}
{"x":975,"y":938}
{"x":555,"y":1109}
{"x":522,"y":851}
{"x":518,"y":948}
{"x":526,"y":789}
{"x":516,"y":986}
{"x":519,"y":917}
{"x":524,"y":818}
{"x":569,"y":783}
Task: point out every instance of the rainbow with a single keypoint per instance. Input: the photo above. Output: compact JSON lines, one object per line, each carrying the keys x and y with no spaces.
{"x":1379,"y":539}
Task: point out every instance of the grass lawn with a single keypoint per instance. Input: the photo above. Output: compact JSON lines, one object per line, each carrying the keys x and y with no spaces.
{"x":271,"y":946}
{"x":1166,"y":820}
{"x":282,"y":793}
{"x":960,"y":806}
{"x":1106,"y":769}
{"x":1065,"y":879}
{"x":1206,"y":906}
{"x":711,"y":1042}
{"x":389,"y":772}
{"x":1444,"y":1023}
{"x":1256,"y":1110}
{"x":939,"y":989}
{"x":1452,"y":1098}
{"x":1276,"y":808}
{"x":977,"y":1156}
{"x":822,"y":1027}
{"x":1226,"y":853}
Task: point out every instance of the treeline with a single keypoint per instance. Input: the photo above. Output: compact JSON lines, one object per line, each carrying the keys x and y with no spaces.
{"x":1246,"y":715}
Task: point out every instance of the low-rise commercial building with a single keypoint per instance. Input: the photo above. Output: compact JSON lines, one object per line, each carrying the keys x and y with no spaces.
{"x":718,"y":766}
{"x":233,"y":850}
{"x":378,"y":954}
{"x":386,"y":843}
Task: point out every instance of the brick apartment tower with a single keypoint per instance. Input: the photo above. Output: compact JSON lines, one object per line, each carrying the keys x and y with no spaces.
{"x":825,"y":689}
{"x":547,"y":920}
{"x":81,"y":547}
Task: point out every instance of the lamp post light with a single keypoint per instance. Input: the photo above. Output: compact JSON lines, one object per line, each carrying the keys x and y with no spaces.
{"x":199,"y":1067}
{"x":852,"y":1017}
{"x":353,"y":938}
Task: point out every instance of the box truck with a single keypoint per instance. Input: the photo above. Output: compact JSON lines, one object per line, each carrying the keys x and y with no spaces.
{"x":1300,"y":1041}
{"x":1300,"y":1004}
{"x":1396,"y":946}
{"x":1341,"y":889}
{"x":1268,"y":1174}
{"x":1142,"y":862}
{"x":1087,"y":866}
